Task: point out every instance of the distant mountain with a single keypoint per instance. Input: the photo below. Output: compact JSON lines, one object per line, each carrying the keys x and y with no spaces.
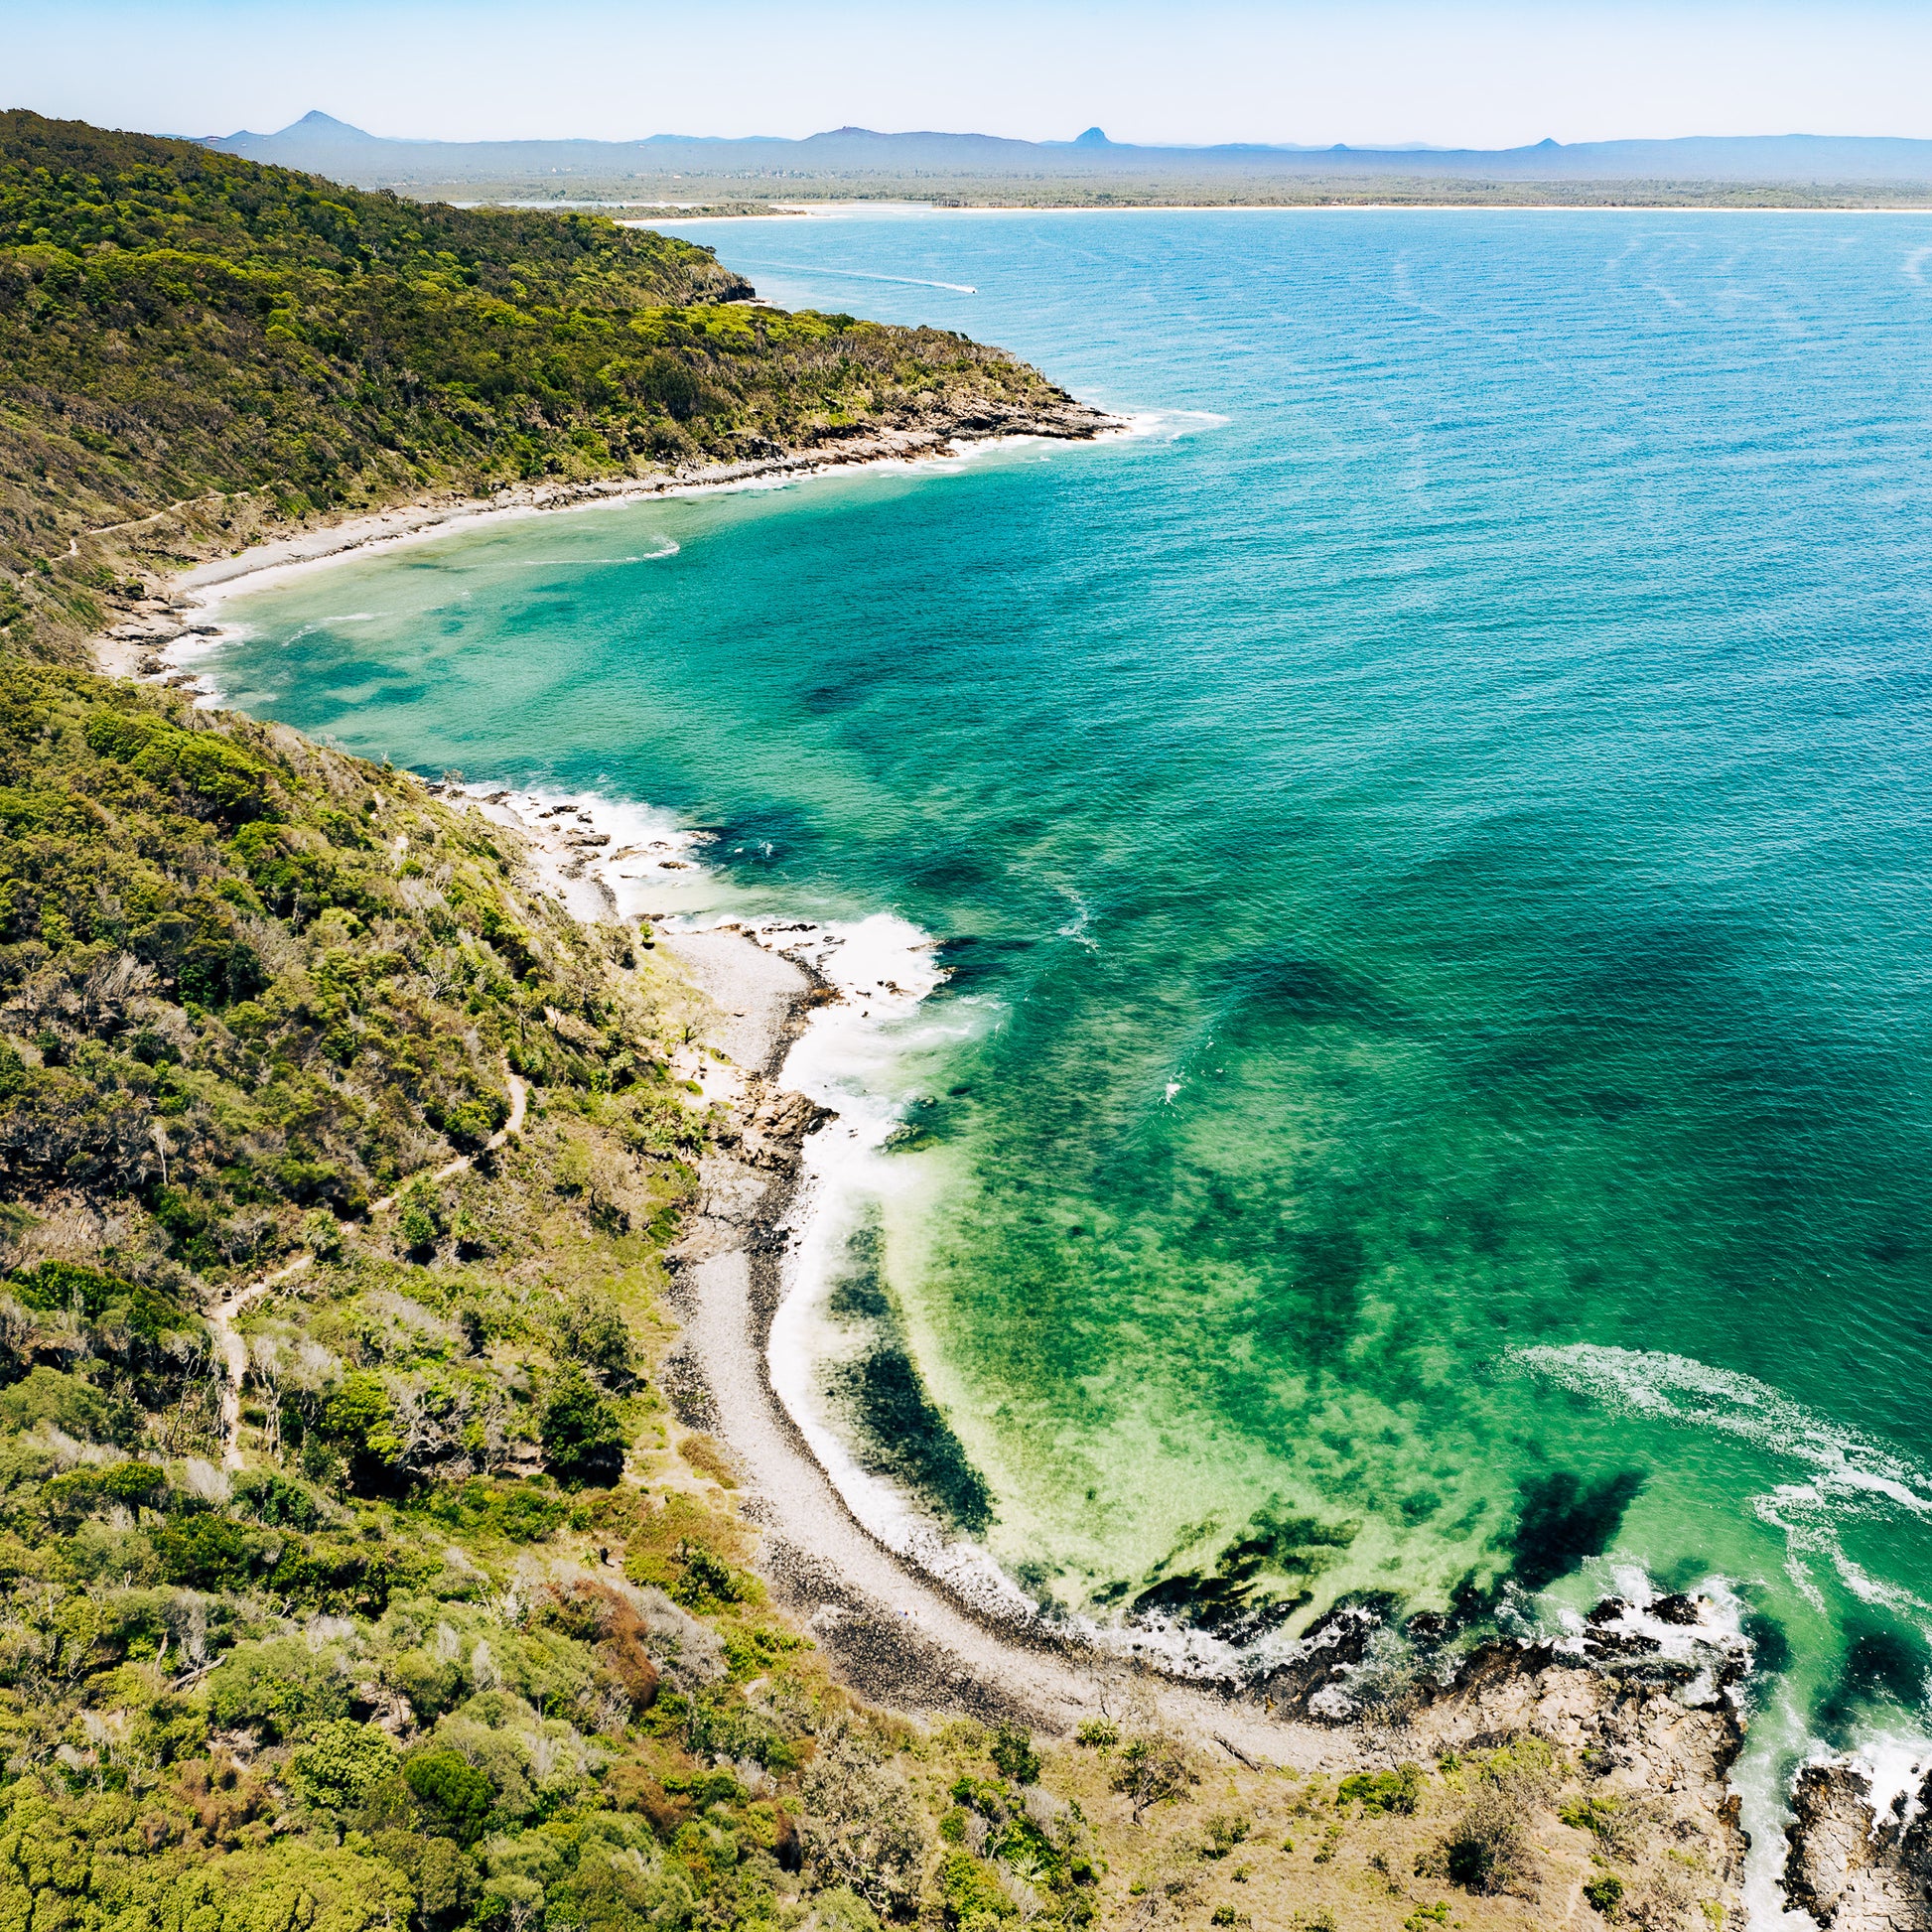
{"x":324,"y":145}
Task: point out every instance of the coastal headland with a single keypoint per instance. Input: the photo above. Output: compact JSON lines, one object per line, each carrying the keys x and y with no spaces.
{"x":405,"y":1512}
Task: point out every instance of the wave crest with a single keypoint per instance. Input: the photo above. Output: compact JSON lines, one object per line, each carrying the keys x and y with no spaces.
{"x":1848,"y":1475}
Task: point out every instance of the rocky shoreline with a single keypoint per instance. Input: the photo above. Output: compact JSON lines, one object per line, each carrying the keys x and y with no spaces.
{"x":1642,"y":1706}
{"x":1645,"y":1705}
{"x":1860,"y":1858}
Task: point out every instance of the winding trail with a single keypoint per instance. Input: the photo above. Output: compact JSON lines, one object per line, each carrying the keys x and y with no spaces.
{"x":221,"y":1318}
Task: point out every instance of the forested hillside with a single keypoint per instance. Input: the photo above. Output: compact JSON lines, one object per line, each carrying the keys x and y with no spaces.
{"x":195,"y":348}
{"x":354,"y":1571}
{"x":454,"y":1627}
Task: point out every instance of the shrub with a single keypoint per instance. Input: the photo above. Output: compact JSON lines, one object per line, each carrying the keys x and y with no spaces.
{"x":420,"y":1221}
{"x":47,"y":1396}
{"x":862,"y":1828}
{"x":1487,"y":1852}
{"x":279,"y":1688}
{"x":360,"y":1416}
{"x":272,"y":1499}
{"x":454,"y":1796}
{"x":209,"y":1553}
{"x":1604,"y":1892}
{"x":1616,"y":1821}
{"x":1153,"y":1768}
{"x":1224,"y":1832}
{"x":1377,"y":1792}
{"x":54,"y":1287}
{"x":1013,"y":1754}
{"x":593,"y":1331}
{"x":583,"y":1439}
{"x":132,"y":1485}
{"x":341,"y":1763}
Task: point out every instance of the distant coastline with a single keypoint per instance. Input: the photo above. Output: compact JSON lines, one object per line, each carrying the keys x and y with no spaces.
{"x":756,"y":173}
{"x":826,"y":210}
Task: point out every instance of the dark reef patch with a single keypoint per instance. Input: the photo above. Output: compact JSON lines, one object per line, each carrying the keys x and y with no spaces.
{"x":1566,"y":1520}
{"x":897,"y":1430}
{"x":1257,"y":1580}
{"x":973,"y":958}
{"x":1882,"y":1667}
{"x":1270,"y":986}
{"x":906,"y":1439}
{"x":1770,"y":1647}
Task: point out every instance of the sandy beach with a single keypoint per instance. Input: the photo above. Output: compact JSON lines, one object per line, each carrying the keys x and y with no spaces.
{"x":181,"y":613}
{"x":1644,"y":1687}
{"x":781,"y":1003}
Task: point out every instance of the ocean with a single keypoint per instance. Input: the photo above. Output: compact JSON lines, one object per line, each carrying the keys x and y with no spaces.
{"x":1429,"y":835}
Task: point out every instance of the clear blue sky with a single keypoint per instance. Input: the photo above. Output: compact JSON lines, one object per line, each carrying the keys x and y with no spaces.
{"x":1474,"y":73}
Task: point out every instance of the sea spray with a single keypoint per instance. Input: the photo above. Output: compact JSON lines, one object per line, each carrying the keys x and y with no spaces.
{"x":1848,"y":1475}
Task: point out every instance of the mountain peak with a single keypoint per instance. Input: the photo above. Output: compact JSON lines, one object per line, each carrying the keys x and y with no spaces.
{"x":315,"y":121}
{"x":1094,"y":137}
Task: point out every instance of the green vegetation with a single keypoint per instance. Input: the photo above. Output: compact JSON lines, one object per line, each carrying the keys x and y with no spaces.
{"x":1604,"y":1892}
{"x":247,"y":979}
{"x":464,"y":1641}
{"x":195,"y":348}
{"x":310,"y":1107}
{"x":1399,"y":1790}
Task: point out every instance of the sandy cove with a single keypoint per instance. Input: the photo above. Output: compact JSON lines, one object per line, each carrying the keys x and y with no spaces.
{"x":1648,"y":1688}
{"x":1651,"y":1694}
{"x":180,"y":610}
{"x":1650,"y":1691}
{"x":895,"y":1631}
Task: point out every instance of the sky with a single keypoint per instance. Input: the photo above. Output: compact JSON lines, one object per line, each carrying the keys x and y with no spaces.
{"x":1449,"y":72}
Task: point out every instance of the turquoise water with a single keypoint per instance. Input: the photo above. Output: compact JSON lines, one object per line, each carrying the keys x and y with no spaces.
{"x":1432,"y":839}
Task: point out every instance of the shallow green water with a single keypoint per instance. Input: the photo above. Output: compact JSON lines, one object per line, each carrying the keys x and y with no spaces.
{"x":1434,"y":839}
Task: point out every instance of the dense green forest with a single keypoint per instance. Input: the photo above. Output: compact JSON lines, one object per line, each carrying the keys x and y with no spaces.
{"x":195,"y":348}
{"x":457,"y":1629}
{"x":354,"y":1568}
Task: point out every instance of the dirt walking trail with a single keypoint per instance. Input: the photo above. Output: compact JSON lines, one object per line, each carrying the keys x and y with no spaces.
{"x":234,"y":1349}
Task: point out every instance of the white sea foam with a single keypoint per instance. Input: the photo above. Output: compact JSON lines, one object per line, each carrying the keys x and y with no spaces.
{"x":884,"y":969}
{"x":198,"y":648}
{"x":1171,"y":425}
{"x":1761,"y":1780}
{"x":665,"y":549}
{"x":1078,"y":927}
{"x":1899,"y":1764}
{"x":1846,"y":1476}
{"x":1720,"y":1613}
